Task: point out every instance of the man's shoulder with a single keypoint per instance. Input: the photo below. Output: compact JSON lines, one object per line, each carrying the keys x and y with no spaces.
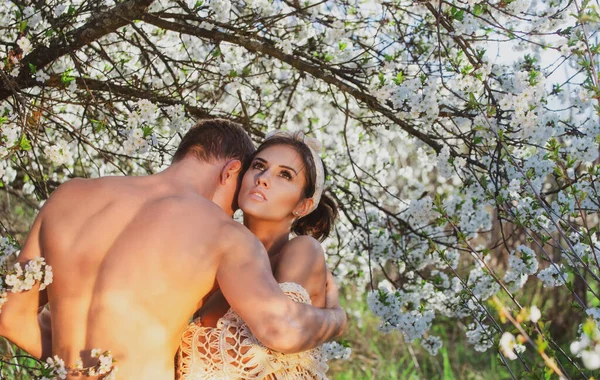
{"x":235,"y":231}
{"x":68,"y":192}
{"x":199,"y":219}
{"x":233,"y":236}
{"x":75,"y":186}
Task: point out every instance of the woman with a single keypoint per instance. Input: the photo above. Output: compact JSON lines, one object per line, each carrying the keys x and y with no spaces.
{"x":281,"y":192}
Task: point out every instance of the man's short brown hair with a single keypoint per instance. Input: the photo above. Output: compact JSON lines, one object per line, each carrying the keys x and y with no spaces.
{"x":215,"y":139}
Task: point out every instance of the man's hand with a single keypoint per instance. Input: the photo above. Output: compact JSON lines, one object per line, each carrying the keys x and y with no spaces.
{"x":332,"y":300}
{"x":332,"y":296}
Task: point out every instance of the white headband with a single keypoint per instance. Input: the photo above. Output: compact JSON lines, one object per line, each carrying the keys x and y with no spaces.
{"x":315,"y":147}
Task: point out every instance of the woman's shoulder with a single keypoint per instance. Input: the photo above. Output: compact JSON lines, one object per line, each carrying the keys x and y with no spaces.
{"x":302,"y":261}
{"x":307,"y":245}
{"x":302,"y":253}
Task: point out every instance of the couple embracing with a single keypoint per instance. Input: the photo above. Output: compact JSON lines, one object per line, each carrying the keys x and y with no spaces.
{"x":134,"y":257}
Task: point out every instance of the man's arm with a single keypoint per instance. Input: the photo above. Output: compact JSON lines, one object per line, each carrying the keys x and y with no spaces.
{"x":19,"y":315}
{"x":19,"y":320}
{"x":245,"y":278}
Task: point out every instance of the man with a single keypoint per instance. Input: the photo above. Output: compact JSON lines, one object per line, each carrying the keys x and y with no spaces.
{"x":134,"y":257}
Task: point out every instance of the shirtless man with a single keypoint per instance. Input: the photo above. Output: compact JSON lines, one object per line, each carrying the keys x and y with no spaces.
{"x":134,"y":257}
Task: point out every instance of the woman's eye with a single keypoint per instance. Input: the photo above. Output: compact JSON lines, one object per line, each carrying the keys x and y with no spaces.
{"x":258,"y":166}
{"x":286,"y":175}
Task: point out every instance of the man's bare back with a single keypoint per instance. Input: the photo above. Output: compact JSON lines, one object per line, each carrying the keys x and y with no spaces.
{"x":132,"y":260}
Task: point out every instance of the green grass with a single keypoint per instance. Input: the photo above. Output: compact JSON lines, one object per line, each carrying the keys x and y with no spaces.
{"x":386,"y":356}
{"x":15,"y":364}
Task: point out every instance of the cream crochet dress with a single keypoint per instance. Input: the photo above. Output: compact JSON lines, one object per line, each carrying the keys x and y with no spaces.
{"x":230,"y":351}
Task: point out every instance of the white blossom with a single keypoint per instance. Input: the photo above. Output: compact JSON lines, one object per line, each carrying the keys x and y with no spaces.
{"x":334,"y":350}
{"x":25,"y":45}
{"x":553,"y":275}
{"x":41,"y":76}
{"x":534,"y":314}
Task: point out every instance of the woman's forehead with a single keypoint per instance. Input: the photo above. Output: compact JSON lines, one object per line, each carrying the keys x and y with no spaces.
{"x":282,"y":155}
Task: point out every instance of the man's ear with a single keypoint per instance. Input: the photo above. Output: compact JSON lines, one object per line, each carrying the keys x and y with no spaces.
{"x":230,"y":170}
{"x":303,"y":207}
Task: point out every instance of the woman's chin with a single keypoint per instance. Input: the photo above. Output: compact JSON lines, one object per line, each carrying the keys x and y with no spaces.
{"x":252,"y":210}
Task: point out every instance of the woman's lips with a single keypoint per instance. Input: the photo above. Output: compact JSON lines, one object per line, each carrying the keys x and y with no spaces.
{"x":258,"y":195}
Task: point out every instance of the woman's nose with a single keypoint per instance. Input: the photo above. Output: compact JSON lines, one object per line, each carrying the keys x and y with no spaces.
{"x":262,"y":180}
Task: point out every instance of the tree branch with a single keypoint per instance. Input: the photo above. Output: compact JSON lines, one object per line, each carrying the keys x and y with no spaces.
{"x":267,"y":48}
{"x":97,"y":26}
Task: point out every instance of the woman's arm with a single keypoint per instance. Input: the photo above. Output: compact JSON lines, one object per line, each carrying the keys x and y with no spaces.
{"x":302,"y":261}
{"x":214,"y":308}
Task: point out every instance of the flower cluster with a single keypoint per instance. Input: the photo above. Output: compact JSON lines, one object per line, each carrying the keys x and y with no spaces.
{"x":222,"y":9}
{"x":55,"y":367}
{"x":60,"y":154}
{"x":36,"y":270}
{"x":509,"y":346}
{"x":334,"y":350}
{"x":21,"y":279}
{"x":411,"y":323}
{"x":520,"y":268}
{"x":553,"y":275}
{"x":588,"y":345}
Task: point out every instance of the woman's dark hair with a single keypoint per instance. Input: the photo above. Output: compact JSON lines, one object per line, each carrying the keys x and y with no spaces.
{"x":319,"y":222}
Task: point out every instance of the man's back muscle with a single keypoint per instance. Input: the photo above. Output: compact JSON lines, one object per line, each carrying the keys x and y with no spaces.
{"x":132,"y":261}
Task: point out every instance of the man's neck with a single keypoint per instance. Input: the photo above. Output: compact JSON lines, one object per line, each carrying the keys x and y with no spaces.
{"x":192,"y":175}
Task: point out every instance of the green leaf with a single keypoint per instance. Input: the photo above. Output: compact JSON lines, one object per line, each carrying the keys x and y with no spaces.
{"x":66,"y":77}
{"x":32,"y":68}
{"x":98,"y":125}
{"x":478,"y":9}
{"x":533,"y":75}
{"x":457,"y":14}
{"x":589,"y":328}
{"x":472,"y":101}
{"x":147,"y":131}
{"x":399,"y":78}
{"x":25,"y":144}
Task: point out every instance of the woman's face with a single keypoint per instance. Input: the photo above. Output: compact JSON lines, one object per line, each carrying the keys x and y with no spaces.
{"x":273,"y":186}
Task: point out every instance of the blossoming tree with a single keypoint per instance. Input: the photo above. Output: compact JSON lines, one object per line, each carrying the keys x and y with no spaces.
{"x":461,"y":136}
